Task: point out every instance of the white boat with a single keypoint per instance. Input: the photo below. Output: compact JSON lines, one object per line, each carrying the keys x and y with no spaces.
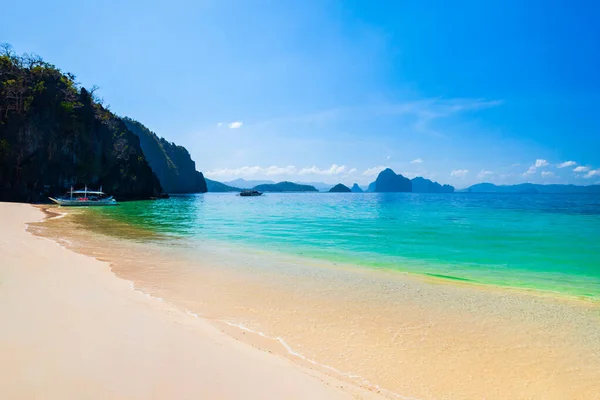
{"x":85,"y":198}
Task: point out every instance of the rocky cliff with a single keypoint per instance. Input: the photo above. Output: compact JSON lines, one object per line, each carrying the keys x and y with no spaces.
{"x":54,"y":135}
{"x":172,"y":163}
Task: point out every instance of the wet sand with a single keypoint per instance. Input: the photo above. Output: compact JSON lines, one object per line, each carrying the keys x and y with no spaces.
{"x":383,"y":331}
{"x":70,"y":329}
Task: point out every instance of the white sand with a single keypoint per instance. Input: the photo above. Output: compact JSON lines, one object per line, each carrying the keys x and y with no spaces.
{"x":70,"y":329}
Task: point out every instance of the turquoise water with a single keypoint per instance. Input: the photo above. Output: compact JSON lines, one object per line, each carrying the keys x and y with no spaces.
{"x":543,"y":242}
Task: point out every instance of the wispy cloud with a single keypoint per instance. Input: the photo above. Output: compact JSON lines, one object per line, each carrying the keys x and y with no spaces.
{"x":566,"y":164}
{"x":516,"y":165}
{"x":530,"y":171}
{"x":592,"y":173}
{"x":539,"y":163}
{"x":581,"y":168}
{"x":547,"y":174}
{"x":484,"y":174}
{"x":374,"y":170}
{"x":417,"y":161}
{"x":333,"y":170}
{"x":235,"y":125}
{"x":425,"y":111}
{"x":459,"y":173}
{"x":388,"y":157}
{"x":219,"y":124}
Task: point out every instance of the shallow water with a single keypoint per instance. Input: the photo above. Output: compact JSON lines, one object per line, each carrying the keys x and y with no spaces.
{"x":544,"y":242}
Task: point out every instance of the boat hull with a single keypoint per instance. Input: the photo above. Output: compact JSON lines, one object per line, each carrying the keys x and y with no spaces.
{"x":82,"y":203}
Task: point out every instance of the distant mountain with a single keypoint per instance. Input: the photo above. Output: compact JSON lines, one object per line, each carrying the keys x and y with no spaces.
{"x":388,"y":181}
{"x":285,"y":187}
{"x":171,"y":163}
{"x":356,"y":189}
{"x":422,"y":185}
{"x":340,"y":188}
{"x":532,"y":188}
{"x":244,"y":184}
{"x":371,"y":187}
{"x":214,"y":186}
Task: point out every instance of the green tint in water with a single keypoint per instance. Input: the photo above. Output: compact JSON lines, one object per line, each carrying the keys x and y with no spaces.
{"x":539,"y":242}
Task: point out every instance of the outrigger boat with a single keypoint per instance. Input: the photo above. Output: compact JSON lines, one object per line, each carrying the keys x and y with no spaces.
{"x":85,"y":198}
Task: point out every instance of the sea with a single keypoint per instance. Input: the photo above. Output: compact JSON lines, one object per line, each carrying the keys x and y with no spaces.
{"x":531,"y":241}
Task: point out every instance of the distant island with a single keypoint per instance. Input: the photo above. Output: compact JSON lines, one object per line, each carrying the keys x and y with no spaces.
{"x":388,"y":181}
{"x":524,"y":188}
{"x":340,"y":188}
{"x":356,"y":189}
{"x":244,"y":184}
{"x":285,"y":187}
{"x":218,"y":187}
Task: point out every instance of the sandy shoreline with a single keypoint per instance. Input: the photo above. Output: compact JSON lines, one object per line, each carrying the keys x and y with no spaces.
{"x":71,"y":329}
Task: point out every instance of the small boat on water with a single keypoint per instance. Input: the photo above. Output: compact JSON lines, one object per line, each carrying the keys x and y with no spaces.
{"x":85,"y":198}
{"x":248,"y":193}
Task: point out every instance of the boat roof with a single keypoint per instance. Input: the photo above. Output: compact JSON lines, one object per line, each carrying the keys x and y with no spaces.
{"x":86,"y":191}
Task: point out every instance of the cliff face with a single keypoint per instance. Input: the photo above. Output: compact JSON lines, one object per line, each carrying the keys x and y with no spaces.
{"x":422,"y":185}
{"x":388,"y":181}
{"x":172,"y":163}
{"x":54,"y":135}
{"x":340,"y":188}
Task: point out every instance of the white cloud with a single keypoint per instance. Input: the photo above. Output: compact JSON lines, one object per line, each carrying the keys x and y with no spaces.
{"x":373,"y":171}
{"x":333,"y":170}
{"x":530,"y":171}
{"x":581,"y":169}
{"x":219,"y":124}
{"x":516,"y":165}
{"x":538,"y":164}
{"x":459,"y":173}
{"x":592,"y":173}
{"x":235,"y":125}
{"x":484,"y":174}
{"x":417,"y":161}
{"x":352,"y":171}
{"x":547,"y":174}
{"x":566,"y":164}
{"x":388,"y":157}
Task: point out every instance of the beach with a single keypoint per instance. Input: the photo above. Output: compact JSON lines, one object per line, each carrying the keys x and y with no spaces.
{"x":71,"y":329}
{"x":129,"y":312}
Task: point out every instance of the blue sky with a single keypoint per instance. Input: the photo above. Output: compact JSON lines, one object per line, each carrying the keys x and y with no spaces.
{"x":460,"y":92}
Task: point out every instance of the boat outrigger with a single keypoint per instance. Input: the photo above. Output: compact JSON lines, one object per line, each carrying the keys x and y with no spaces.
{"x":85,"y":198}
{"x":247,"y":193}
